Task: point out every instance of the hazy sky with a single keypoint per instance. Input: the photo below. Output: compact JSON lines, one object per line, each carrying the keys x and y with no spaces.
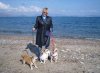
{"x":56,"y":7}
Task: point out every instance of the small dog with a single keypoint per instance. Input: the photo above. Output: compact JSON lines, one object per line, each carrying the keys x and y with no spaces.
{"x":45,"y":54}
{"x":54,"y":55}
{"x":29,"y":60}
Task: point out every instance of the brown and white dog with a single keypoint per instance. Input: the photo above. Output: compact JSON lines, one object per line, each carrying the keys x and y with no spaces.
{"x":54,"y":55}
{"x":28,"y":59}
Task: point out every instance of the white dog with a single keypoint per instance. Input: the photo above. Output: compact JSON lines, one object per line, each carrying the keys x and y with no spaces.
{"x":45,"y":54}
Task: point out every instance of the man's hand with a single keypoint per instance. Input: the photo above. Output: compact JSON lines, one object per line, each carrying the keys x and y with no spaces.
{"x":51,"y":29}
{"x":33,"y":29}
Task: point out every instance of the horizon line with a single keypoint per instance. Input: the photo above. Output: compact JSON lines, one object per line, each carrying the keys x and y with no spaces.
{"x":51,"y":16}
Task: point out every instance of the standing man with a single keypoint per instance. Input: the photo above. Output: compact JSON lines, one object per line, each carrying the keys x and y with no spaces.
{"x":43,"y":26}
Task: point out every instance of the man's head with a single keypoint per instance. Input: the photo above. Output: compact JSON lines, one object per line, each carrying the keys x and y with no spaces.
{"x":45,"y":11}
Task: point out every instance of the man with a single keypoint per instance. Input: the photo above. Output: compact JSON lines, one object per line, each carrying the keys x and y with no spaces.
{"x":43,"y":26}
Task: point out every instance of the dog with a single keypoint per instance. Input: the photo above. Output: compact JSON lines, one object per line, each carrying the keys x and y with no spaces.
{"x":44,"y":56}
{"x":54,"y":55}
{"x":30,"y":60}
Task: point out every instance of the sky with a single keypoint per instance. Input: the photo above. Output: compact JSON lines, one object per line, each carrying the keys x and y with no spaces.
{"x":56,"y":7}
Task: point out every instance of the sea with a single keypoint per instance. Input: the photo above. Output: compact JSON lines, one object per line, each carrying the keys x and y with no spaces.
{"x":63,"y":27}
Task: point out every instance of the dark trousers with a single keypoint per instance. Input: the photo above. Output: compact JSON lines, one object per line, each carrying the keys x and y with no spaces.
{"x":47,"y":42}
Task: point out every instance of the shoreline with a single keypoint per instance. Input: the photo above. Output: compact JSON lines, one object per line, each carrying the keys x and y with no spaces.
{"x":59,"y":41}
{"x":31,"y":36}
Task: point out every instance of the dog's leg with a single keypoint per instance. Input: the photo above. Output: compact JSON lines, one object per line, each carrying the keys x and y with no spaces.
{"x":56,"y":59}
{"x":35,"y":65}
{"x":44,"y":61}
{"x":23,"y":62}
{"x":31,"y":66}
{"x":51,"y":59}
{"x":34,"y":60}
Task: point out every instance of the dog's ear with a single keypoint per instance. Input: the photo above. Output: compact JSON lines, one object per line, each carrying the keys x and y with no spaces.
{"x":42,"y":51}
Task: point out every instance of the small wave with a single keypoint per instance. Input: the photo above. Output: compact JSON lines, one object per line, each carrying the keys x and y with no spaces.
{"x":14,"y":32}
{"x":93,"y":39}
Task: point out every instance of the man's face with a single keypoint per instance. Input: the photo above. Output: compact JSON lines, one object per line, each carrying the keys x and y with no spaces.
{"x":45,"y":12}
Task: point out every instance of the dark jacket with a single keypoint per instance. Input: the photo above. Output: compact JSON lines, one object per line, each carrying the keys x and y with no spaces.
{"x":42,"y":27}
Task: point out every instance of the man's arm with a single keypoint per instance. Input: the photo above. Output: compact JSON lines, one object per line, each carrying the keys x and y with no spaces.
{"x":51,"y":27}
{"x":36,"y":24}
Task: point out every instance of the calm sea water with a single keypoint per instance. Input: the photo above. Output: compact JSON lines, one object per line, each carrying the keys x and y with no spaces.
{"x":70,"y":27}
